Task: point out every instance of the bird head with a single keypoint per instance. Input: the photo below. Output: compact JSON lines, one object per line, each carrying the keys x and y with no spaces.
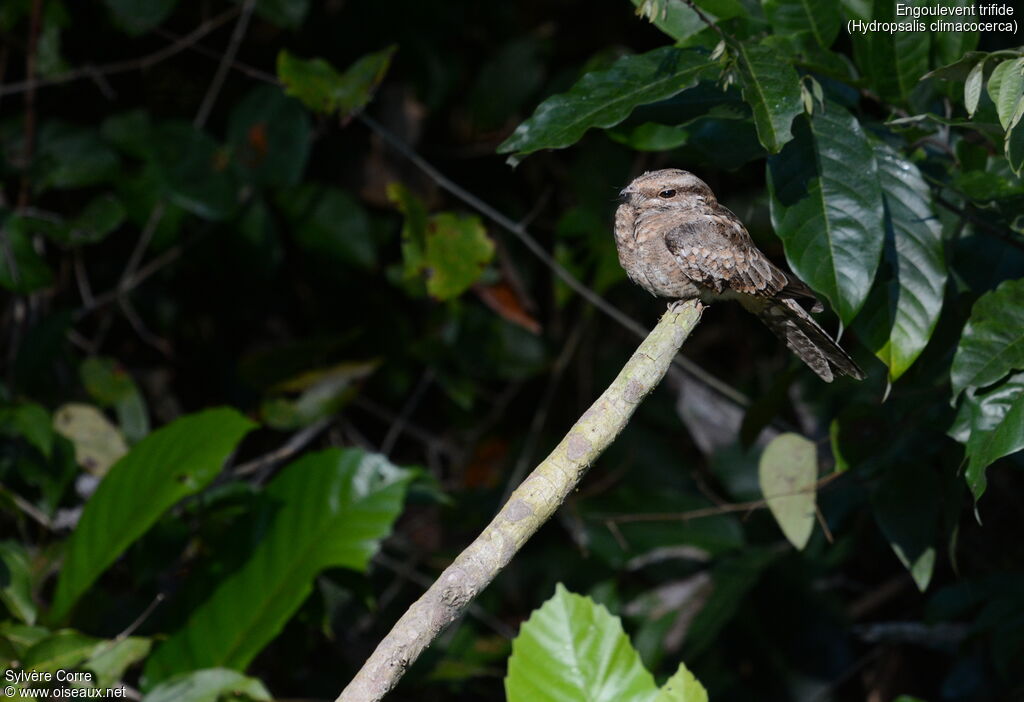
{"x":668,"y":188}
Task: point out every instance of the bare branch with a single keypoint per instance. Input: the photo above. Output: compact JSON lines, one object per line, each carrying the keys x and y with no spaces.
{"x":529,"y":507}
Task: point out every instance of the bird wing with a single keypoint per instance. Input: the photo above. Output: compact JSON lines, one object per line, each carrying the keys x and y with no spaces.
{"x":715,"y":250}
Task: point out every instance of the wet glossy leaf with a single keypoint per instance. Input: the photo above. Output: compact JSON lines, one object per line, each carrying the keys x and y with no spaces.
{"x":827,"y":207}
{"x":893,"y":61}
{"x":210,"y":685}
{"x":602,"y":664}
{"x":772,"y":89}
{"x":903,"y":309}
{"x":605,"y":98}
{"x":98,"y":443}
{"x":172,"y":462}
{"x":992,"y":343}
{"x":972,"y":87}
{"x":336,"y":506}
{"x":322,"y":89}
{"x":788,"y":471}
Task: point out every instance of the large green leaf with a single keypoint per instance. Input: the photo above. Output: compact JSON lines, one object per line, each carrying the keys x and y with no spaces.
{"x":826,"y":206}
{"x":334,"y":508}
{"x":992,"y":343}
{"x":210,"y":685}
{"x":177,"y":460}
{"x":787,"y":471}
{"x":816,"y":19}
{"x":991,"y":425}
{"x":902,"y":311}
{"x":322,"y":89}
{"x":572,"y":649}
{"x":772,"y":89}
{"x":893,"y":61}
{"x":605,"y":98}
{"x":330,"y":225}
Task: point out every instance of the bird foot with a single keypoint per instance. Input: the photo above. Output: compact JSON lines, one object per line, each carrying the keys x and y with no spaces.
{"x":676,"y":304}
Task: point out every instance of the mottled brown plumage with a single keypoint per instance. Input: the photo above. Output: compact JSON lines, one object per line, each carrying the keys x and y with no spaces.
{"x":676,"y":241}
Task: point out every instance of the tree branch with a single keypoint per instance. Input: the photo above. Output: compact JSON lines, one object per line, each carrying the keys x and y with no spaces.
{"x":529,"y":507}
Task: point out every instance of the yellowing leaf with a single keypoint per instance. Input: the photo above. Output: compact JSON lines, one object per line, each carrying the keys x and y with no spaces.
{"x":787,"y":473}
{"x":98,"y":443}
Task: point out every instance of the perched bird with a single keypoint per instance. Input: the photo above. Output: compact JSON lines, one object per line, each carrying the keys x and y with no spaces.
{"x":676,"y":241}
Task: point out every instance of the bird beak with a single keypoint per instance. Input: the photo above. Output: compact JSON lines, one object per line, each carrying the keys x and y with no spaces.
{"x":626,"y":193}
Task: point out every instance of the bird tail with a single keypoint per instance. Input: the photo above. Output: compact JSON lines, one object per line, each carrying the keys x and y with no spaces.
{"x":805,"y":337}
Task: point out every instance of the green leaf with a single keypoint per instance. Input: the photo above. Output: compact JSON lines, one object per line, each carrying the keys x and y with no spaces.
{"x":827,"y":207}
{"x":682,"y":687}
{"x":177,"y":460}
{"x":772,"y":89}
{"x":906,"y":506}
{"x":139,"y":16}
{"x":972,"y":87}
{"x":679,"y":21}
{"x":1006,"y":88}
{"x":270,"y":137}
{"x":61,"y":650}
{"x":991,"y":425}
{"x":335,"y":507}
{"x":72,"y":157}
{"x":449,"y":250}
{"x":572,"y":649}
{"x":112,"y":658}
{"x":992,"y":343}
{"x":817,"y":19}
{"x":901,"y":314}
{"x":30,"y":421}
{"x":458,"y":249}
{"x":788,"y":471}
{"x":195,"y":171}
{"x":22,"y":270}
{"x":111,"y":386}
{"x":289,"y":14}
{"x":100,"y":217}
{"x":894,"y":61}
{"x":605,"y":98}
{"x":322,"y":89}
{"x":323,"y":392}
{"x":210,"y":685}
{"x":330,"y":226}
{"x":16,"y":582}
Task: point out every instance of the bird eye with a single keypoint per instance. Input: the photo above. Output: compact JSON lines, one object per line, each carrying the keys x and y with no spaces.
{"x":667,"y":194}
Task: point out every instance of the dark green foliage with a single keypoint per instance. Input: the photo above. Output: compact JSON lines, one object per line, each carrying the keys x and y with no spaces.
{"x":179,"y":234}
